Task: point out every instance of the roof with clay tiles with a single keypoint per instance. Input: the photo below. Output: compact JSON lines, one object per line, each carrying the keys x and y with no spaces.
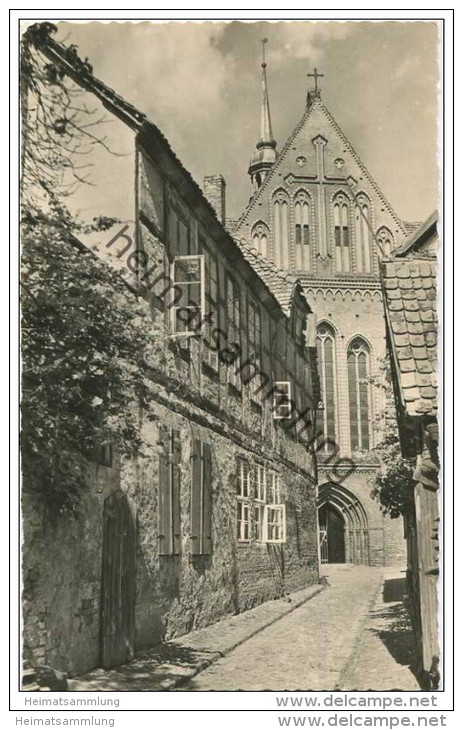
{"x":281,"y":283}
{"x":411,"y":226}
{"x":422,"y":238}
{"x":410,"y":296}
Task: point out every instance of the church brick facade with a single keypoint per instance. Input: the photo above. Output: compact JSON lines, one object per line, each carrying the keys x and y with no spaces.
{"x":318,"y":214}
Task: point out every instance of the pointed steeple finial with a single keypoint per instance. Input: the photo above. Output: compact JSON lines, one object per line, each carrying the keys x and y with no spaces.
{"x":263,"y":41}
{"x":266,"y":136}
{"x":263,"y":159}
{"x":314,"y":93}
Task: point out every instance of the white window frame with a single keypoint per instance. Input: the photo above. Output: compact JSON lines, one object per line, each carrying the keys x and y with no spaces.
{"x":278,"y":413}
{"x":243,"y":501}
{"x":202,"y":306}
{"x":260,"y":499}
{"x":274,"y":488}
{"x":278,"y":525}
{"x":275,"y":505}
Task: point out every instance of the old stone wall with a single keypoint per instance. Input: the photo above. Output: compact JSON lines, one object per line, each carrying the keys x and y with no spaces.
{"x":61,"y":561}
{"x":174,"y":593}
{"x":395,"y":544}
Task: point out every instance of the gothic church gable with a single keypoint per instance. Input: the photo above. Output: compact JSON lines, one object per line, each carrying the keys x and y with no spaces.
{"x":318,"y":205}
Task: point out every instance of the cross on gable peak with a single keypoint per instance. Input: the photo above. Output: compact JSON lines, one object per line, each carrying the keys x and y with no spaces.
{"x":314,"y":93}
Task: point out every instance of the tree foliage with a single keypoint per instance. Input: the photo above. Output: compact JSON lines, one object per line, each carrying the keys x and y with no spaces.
{"x":84,"y":334}
{"x":61,"y":127}
{"x":393,"y":485}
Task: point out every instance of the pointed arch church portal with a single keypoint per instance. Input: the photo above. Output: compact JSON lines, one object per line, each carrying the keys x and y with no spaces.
{"x":343,"y":527}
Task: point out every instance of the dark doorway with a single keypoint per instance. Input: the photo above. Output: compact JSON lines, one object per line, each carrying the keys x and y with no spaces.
{"x":118,"y":582}
{"x":332,"y":543}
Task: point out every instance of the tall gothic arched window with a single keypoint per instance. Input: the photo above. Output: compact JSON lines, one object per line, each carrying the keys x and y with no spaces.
{"x":302,"y":231}
{"x":385,"y":239}
{"x":259,"y":237}
{"x":362,"y":234}
{"x":281,"y":229}
{"x":326,"y":355}
{"x":358,"y":370}
{"x":341,"y":233}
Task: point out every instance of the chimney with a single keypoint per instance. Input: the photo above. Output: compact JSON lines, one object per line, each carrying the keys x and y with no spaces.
{"x":214,"y":190}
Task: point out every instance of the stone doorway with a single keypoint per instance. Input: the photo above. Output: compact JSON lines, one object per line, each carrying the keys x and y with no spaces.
{"x":332,"y":544}
{"x":343,"y":526}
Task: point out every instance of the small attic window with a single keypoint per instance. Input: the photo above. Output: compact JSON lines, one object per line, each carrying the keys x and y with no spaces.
{"x":282,"y":400}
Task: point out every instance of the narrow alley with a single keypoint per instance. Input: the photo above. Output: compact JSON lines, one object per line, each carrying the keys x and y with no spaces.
{"x":354,"y":634}
{"x":338,"y":640}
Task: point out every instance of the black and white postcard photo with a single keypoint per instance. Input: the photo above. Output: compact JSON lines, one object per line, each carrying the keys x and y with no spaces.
{"x":231,"y":386}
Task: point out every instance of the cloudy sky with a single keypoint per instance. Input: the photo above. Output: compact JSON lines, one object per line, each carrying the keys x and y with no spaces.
{"x":200,"y":83}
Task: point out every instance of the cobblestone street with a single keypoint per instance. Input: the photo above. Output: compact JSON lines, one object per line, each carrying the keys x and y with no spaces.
{"x":353,"y":635}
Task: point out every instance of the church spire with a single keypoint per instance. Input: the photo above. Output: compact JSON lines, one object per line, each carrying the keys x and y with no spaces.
{"x":265,"y":155}
{"x":266,"y":136}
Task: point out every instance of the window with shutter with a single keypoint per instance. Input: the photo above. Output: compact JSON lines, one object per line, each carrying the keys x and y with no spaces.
{"x":201,"y":499}
{"x":179,"y":234}
{"x":169,"y":532}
